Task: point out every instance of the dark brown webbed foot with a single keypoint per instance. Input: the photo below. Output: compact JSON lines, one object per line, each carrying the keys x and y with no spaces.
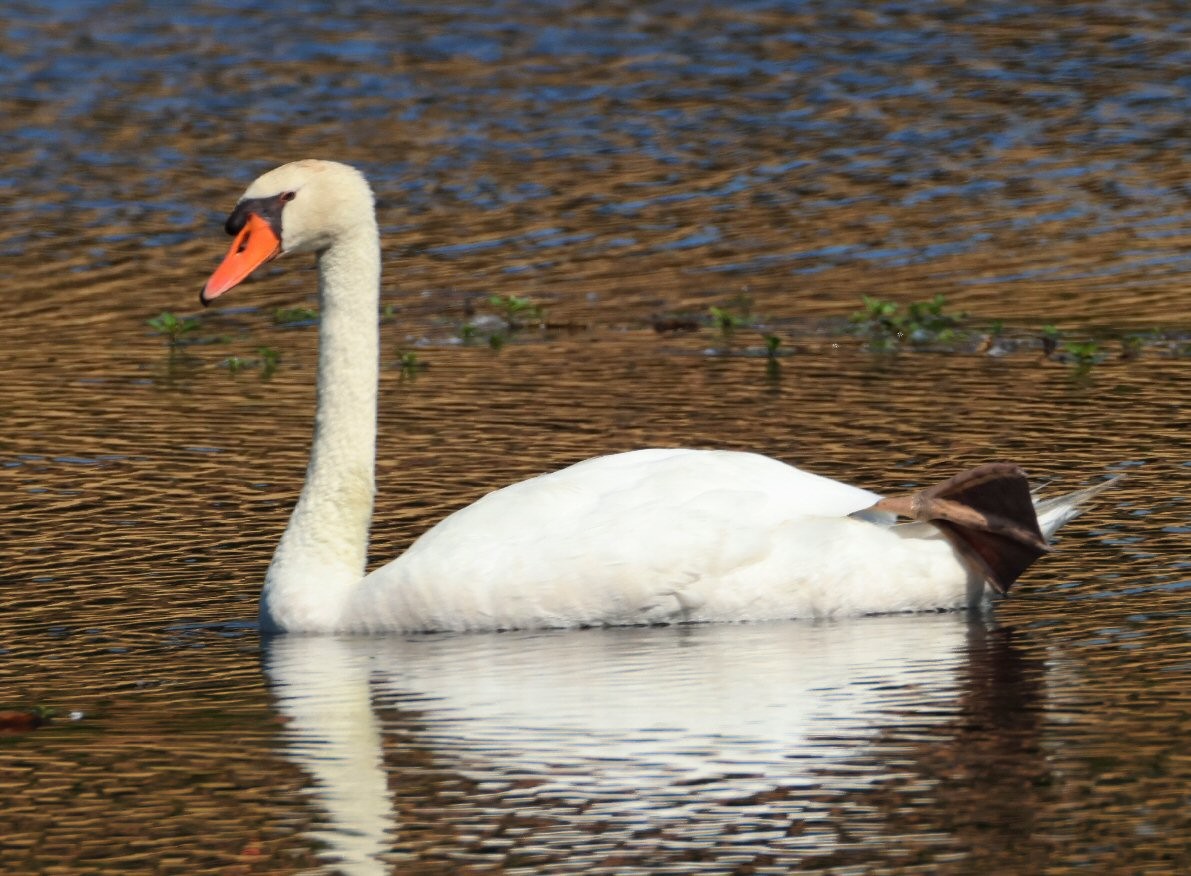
{"x":987,"y":515}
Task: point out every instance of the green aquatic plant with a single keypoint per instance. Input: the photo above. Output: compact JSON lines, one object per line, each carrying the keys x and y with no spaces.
{"x":878,"y":311}
{"x":879,"y":321}
{"x":772,"y":344}
{"x":495,"y":333}
{"x":408,"y":364}
{"x":1050,"y":340}
{"x":928,"y":321}
{"x":293,"y":315}
{"x":886,"y":324}
{"x":726,"y":320}
{"x":173,"y":327}
{"x":267,"y":359}
{"x":736,"y":314}
{"x":510,"y":313}
{"x":1083,"y":354}
{"x":516,"y":310}
{"x":270,"y":357}
{"x":773,"y":365}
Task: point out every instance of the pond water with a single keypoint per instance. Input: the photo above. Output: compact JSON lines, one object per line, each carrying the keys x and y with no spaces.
{"x":681,"y":186}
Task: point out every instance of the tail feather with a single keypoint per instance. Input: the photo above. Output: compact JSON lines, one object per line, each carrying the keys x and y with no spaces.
{"x":1054,"y":512}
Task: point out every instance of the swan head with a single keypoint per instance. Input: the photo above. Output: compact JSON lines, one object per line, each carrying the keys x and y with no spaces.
{"x":303,"y":206}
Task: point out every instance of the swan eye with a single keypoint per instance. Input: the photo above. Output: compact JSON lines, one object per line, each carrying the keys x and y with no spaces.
{"x":288,"y":196}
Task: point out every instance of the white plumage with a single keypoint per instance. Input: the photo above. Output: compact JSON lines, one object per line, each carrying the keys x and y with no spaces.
{"x":657,"y":536}
{"x":651,"y":536}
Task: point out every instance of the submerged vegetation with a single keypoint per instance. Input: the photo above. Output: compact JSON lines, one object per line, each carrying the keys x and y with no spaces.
{"x":408,"y":364}
{"x":269,"y":359}
{"x":887,"y":324}
{"x":172,"y":327}
{"x":726,"y":320}
{"x":266,"y":361}
{"x":517,"y":311}
{"x":295,"y":315}
{"x":773,"y":365}
{"x":883,"y":326}
{"x":503,"y":317}
{"x":931,"y":325}
{"x":732,"y":322}
{"x":736,"y":314}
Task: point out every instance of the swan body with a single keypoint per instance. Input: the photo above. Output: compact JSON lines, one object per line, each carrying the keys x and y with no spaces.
{"x":649,"y":536}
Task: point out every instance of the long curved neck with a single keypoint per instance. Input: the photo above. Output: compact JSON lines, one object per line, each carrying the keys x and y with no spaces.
{"x":324,"y":548}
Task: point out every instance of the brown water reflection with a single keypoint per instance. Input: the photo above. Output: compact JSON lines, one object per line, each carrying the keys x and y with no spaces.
{"x":615,"y":163}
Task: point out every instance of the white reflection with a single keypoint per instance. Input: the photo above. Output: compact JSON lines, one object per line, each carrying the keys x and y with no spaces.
{"x":332,"y":733}
{"x":647,"y":723}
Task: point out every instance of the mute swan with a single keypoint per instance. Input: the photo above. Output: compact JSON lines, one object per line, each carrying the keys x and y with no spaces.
{"x":649,"y":536}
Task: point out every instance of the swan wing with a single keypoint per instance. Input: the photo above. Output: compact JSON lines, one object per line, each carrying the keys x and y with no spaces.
{"x":650,"y":536}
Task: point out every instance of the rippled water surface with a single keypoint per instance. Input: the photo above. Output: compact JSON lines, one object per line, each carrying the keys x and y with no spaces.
{"x":680,"y":186}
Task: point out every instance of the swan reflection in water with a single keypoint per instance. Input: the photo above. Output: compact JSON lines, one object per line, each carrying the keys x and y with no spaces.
{"x":655,"y":727}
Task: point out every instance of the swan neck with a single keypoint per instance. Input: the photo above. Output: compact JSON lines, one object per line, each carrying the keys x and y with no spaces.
{"x":324,"y":548}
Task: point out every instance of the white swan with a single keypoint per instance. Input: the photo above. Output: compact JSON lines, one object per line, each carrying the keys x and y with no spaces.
{"x":651,"y":536}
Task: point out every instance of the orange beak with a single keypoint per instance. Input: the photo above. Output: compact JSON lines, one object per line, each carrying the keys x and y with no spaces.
{"x":256,"y":244}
